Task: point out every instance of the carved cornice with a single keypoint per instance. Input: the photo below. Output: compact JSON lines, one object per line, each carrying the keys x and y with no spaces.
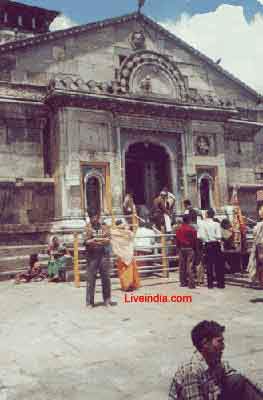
{"x":239,"y":131}
{"x":120,"y":87}
{"x":75,"y":92}
{"x":135,"y":105}
{"x":17,"y":91}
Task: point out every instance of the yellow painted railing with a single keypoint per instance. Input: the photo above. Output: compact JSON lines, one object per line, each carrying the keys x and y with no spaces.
{"x":76,"y":261}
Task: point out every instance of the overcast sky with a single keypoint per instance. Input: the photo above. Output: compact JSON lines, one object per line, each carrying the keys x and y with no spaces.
{"x":231,"y":30}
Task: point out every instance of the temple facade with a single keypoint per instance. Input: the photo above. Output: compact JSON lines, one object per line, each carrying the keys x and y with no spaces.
{"x":91,"y":112}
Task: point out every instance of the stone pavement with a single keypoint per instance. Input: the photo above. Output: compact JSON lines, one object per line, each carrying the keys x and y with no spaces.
{"x":52,"y":347}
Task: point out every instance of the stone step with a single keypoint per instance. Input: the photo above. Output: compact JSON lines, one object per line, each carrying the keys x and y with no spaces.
{"x":11,"y":251}
{"x":19,"y":262}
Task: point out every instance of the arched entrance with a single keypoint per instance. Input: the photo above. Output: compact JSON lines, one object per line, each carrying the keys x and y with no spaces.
{"x":147,"y":168}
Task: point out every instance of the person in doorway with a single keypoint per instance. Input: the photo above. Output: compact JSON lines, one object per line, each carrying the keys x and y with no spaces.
{"x":186,"y":244}
{"x":206,"y":376}
{"x":122,"y":241}
{"x":97,"y":243}
{"x":210,"y":234}
{"x":162,"y":211}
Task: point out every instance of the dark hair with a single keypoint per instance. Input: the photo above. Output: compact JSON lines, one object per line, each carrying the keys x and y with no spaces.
{"x":225,"y":223}
{"x":210,"y":213}
{"x":94,"y":213}
{"x":187,"y":203}
{"x":186,"y":219}
{"x":33,"y":259}
{"x":205,"y":330}
{"x":118,"y":222}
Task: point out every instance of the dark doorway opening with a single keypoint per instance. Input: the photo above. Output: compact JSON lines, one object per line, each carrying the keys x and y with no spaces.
{"x":93,"y":196}
{"x":147,"y":171}
{"x":205,"y":194}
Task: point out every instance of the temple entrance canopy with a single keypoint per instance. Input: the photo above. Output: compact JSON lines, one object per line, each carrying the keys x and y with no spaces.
{"x":147,"y":169}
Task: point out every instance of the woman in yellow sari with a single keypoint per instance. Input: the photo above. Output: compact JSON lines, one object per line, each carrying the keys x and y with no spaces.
{"x":122,"y":246}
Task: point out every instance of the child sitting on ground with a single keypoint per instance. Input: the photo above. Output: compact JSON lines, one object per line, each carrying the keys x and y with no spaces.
{"x":34,"y":273}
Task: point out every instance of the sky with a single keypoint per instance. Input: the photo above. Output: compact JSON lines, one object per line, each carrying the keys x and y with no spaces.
{"x":230,"y":30}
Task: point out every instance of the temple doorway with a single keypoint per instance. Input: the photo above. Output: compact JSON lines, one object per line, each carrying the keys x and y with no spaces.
{"x":206,"y":191}
{"x":205,"y":194}
{"x":147,"y":168}
{"x":93,"y":196}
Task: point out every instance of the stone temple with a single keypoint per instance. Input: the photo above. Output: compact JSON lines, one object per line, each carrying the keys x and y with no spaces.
{"x":91,"y":112}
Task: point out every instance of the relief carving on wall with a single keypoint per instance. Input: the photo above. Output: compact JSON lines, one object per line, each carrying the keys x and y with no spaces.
{"x":22,"y":91}
{"x":146,"y":84}
{"x":203,"y":146}
{"x":137,"y":40}
{"x":147,"y":72}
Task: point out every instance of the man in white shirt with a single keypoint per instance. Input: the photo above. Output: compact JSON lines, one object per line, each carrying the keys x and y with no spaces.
{"x":210,"y":233}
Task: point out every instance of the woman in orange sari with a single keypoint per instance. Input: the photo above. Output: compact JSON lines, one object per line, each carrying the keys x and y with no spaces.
{"x":122,"y":246}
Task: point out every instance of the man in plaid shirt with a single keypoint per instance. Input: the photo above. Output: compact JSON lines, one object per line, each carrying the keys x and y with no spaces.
{"x":205,"y":376}
{"x":97,"y":244}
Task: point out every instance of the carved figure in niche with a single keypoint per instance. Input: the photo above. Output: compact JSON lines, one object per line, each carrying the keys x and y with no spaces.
{"x":137,"y":40}
{"x":146,"y":84}
{"x":104,"y":87}
{"x":202,"y":145}
{"x":93,"y":87}
{"x":115,"y":87}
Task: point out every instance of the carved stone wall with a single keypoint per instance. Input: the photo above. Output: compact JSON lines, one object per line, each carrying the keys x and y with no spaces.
{"x":83,"y":136}
{"x":27,"y":203}
{"x":21,"y":141}
{"x":240,"y":155}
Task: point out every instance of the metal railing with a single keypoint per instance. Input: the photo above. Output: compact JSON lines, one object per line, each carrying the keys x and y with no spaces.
{"x":159,"y":257}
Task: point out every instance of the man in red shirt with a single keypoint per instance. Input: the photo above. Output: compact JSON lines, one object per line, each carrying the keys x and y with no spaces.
{"x":186,"y":244}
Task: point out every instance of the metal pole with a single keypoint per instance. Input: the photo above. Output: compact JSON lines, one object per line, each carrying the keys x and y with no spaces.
{"x":164,"y":256}
{"x":109,"y":195}
{"x":76,"y":261}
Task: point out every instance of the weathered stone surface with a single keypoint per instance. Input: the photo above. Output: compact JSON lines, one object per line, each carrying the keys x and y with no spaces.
{"x":129,"y":351}
{"x":83,"y":96}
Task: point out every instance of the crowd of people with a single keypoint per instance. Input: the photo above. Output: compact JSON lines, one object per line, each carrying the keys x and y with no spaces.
{"x":200,"y":241}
